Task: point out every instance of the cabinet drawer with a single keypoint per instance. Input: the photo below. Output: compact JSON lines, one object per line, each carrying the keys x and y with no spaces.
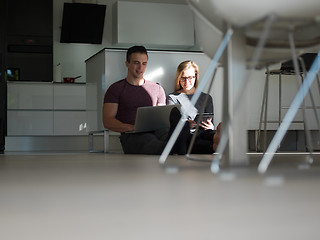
{"x":72,"y":96}
{"x":70,"y":123}
{"x":30,"y":96}
{"x":30,"y":123}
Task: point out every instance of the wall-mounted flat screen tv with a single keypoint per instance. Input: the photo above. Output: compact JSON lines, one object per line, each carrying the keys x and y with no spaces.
{"x":82,"y":23}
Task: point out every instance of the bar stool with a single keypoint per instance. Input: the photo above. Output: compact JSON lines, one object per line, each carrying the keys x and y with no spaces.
{"x":286,"y":69}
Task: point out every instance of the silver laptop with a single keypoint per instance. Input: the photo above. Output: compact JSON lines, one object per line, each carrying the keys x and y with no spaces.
{"x":153,"y":118}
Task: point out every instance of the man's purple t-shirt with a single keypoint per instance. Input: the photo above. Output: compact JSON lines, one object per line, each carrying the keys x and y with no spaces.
{"x":130,"y":97}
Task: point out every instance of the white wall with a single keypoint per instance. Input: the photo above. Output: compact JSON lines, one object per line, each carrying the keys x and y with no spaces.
{"x":71,"y":56}
{"x":154,"y":24}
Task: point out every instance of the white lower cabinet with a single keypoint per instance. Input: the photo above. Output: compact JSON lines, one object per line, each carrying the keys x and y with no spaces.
{"x":45,"y":109}
{"x":21,"y":123}
{"x":69,"y":123}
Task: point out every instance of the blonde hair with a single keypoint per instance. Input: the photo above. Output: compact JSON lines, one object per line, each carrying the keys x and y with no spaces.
{"x":183,"y":66}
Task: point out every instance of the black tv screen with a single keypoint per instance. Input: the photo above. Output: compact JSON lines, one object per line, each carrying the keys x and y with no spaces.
{"x":82,"y":23}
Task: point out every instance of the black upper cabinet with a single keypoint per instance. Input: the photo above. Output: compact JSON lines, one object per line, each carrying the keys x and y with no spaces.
{"x":30,"y":39}
{"x":82,"y":23}
{"x":30,"y":18}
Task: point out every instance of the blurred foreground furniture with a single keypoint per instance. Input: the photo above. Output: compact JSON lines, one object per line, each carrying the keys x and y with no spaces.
{"x":265,"y":32}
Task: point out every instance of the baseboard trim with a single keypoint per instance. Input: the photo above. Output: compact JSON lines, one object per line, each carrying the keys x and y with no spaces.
{"x":58,"y":143}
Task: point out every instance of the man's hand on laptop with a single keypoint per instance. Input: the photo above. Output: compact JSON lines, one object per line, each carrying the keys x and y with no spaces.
{"x":129,"y":128}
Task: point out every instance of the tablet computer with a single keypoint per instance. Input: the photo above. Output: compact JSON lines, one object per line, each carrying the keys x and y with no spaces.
{"x":203,"y":117}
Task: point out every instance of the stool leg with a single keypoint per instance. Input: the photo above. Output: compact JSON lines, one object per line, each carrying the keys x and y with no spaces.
{"x":106,"y":141}
{"x":318,"y":81}
{"x":314,"y":107}
{"x":279,"y":100}
{"x":90,"y":142}
{"x":280,"y":104}
{"x":311,"y":99}
{"x":266,"y":113}
{"x":263,"y":111}
{"x":309,"y":145}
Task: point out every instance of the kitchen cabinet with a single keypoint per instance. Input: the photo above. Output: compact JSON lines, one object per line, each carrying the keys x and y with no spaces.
{"x":30,"y":123}
{"x":30,"y":96}
{"x":69,"y":116}
{"x":29,"y":34}
{"x":167,"y":25}
{"x":46,"y":109}
{"x":30,"y":109}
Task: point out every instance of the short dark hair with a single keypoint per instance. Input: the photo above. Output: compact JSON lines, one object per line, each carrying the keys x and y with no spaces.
{"x":134,"y":49}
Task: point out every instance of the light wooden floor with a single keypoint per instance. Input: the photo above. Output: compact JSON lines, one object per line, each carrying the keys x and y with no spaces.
{"x":96,"y":196}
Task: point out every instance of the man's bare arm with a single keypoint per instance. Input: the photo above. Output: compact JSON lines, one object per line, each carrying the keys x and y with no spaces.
{"x":110,"y":121}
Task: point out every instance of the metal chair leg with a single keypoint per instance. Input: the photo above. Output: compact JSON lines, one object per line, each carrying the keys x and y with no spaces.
{"x":225,"y":126}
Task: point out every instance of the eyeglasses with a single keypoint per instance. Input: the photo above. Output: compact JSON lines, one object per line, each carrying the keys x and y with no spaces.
{"x":190,"y":78}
